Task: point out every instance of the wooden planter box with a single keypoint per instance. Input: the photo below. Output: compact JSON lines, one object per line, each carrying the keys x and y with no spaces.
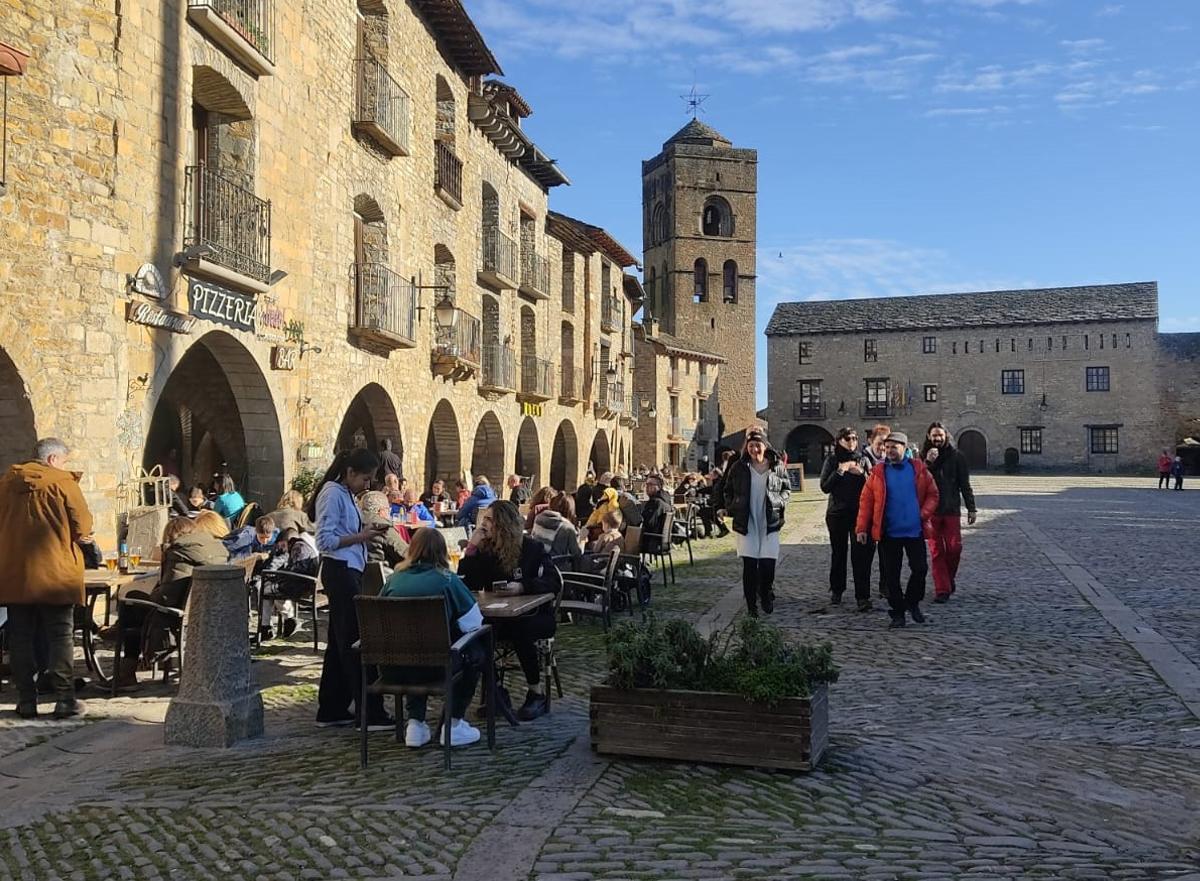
{"x":705,"y":726}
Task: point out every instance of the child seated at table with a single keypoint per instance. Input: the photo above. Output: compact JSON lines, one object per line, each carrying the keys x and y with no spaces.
{"x":610,"y":537}
{"x":294,"y":552}
{"x":425,"y":572}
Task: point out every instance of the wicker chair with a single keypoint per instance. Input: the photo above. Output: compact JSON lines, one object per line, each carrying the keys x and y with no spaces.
{"x":415,"y":632}
{"x":590,"y":593}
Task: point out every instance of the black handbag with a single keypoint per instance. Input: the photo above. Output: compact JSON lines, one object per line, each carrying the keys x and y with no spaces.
{"x":93,"y":557}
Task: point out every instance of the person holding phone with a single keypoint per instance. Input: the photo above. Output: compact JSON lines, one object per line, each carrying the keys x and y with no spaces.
{"x":342,"y":541}
{"x":842,"y":478}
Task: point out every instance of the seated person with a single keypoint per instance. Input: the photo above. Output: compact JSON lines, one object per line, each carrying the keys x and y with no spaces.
{"x":212,"y":523}
{"x":481,"y":497}
{"x":184,"y":547}
{"x":610,"y":537}
{"x":499,"y":550}
{"x":437,"y":495}
{"x":608,"y":501}
{"x":179,"y":505}
{"x":386,"y":545}
{"x":425,"y":572}
{"x":461,"y":493}
{"x":654,"y":513}
{"x":555,"y":528}
{"x":538,"y":503}
{"x":413,"y":506}
{"x":290,"y":514}
{"x":518,"y":493}
{"x":294,"y":552}
{"x":250,"y":540}
{"x":197,"y":501}
{"x":630,"y":513}
{"x":229,"y":501}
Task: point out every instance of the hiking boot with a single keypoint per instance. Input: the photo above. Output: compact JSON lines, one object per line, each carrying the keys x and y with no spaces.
{"x":68,"y":709}
{"x":768,"y":601}
{"x":534,"y":706}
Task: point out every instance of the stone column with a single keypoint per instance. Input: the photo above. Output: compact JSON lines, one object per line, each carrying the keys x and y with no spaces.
{"x":217,"y":704}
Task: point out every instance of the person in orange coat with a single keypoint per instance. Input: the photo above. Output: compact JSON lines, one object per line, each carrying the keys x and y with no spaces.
{"x":896,"y":508}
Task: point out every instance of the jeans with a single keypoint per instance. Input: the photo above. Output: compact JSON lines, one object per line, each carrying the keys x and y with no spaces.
{"x":841,"y":536}
{"x":1178,"y":481}
{"x":758,"y":579}
{"x":416,"y":705}
{"x":945,"y":551}
{"x":56,"y":625}
{"x":341,"y":671}
{"x":892,"y":552}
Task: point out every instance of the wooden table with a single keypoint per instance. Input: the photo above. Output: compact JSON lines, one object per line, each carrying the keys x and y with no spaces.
{"x":508,"y":605}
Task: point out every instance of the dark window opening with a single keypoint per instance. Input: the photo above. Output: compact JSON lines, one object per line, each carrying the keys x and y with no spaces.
{"x":1097,"y":379}
{"x":1012,"y":382}
{"x":1031,"y":441}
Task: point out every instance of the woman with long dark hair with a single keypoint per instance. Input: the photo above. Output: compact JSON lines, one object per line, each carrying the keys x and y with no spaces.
{"x":842,"y":478}
{"x":342,"y":541}
{"x":756,"y":493}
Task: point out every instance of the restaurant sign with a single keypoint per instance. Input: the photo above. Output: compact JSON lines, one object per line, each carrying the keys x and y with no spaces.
{"x":220,"y":305}
{"x":528,"y":408}
{"x":284,"y":357}
{"x":156,"y":316}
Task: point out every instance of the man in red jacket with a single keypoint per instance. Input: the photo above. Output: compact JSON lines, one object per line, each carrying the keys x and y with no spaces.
{"x":896,"y":509}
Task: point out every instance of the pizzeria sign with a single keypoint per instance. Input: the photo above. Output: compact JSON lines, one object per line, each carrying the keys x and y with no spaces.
{"x":220,"y":305}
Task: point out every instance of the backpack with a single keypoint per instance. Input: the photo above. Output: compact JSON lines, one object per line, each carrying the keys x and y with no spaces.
{"x":632,"y":578}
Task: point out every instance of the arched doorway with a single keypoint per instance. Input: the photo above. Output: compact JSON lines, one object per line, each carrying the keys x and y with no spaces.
{"x":370,"y":418}
{"x":564,"y":458}
{"x":216,"y":414}
{"x":487,"y":453}
{"x":600,"y":456}
{"x":808,"y":445}
{"x":529,"y":453}
{"x":443,"y":446}
{"x":18,"y":431}
{"x":974,"y":446}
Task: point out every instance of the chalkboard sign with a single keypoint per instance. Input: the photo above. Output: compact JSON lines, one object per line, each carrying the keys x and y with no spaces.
{"x":795,"y":475}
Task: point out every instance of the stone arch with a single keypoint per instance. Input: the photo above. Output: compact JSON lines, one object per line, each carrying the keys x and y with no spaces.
{"x":808,"y":445}
{"x":370,"y":232}
{"x":373,"y":30}
{"x":444,"y":271}
{"x":658,"y":225}
{"x":443,"y":445}
{"x":528,"y":462}
{"x":487,"y":452}
{"x":216,"y":94}
{"x":973,"y":444}
{"x":216,"y":413}
{"x":564,"y":458}
{"x":601,"y":455}
{"x":18,"y":428}
{"x":716,"y":217}
{"x":446,"y":112}
{"x":729,"y":279}
{"x":700,"y":277}
{"x":370,"y":418}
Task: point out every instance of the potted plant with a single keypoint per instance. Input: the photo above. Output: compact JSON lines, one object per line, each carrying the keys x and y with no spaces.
{"x":745,"y":696}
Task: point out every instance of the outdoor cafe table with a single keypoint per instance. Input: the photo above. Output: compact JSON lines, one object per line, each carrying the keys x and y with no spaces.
{"x":101,"y":583}
{"x":502,"y":606}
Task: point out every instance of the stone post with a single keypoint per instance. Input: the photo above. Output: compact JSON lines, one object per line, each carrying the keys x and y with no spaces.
{"x":217,"y":704}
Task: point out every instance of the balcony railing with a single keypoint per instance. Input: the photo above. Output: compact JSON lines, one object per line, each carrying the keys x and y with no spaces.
{"x":499,"y":368}
{"x":498,"y":263}
{"x":608,"y":313}
{"x":386,"y":309}
{"x":535,"y":275}
{"x":230,"y":222}
{"x":447,"y":175}
{"x":611,"y":400}
{"x":537,"y":378}
{"x":808,"y":409}
{"x":570,"y":385}
{"x":457,"y":343}
{"x":383,"y":109}
{"x":876,"y":409}
{"x":629,"y":412}
{"x":243,"y":28}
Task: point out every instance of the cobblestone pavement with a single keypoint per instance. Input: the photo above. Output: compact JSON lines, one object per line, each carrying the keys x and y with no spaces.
{"x":1016,"y":735}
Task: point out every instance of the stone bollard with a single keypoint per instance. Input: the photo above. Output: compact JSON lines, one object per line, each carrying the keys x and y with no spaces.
{"x":217,"y":704}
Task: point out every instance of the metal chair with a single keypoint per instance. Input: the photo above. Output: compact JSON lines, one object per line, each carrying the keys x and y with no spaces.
{"x":684,"y":532}
{"x":168,"y":618}
{"x":547,"y":653}
{"x":590,"y":593}
{"x":657,"y":546}
{"x":375,"y":576}
{"x":280,"y":585}
{"x":415,"y":632}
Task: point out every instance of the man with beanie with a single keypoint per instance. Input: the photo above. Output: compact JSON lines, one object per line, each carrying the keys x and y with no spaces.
{"x":897,"y":505}
{"x":952,"y":474}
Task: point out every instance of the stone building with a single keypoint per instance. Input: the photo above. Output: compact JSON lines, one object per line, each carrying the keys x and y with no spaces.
{"x":1070,"y":378}
{"x":699,"y":231}
{"x":244,"y":235}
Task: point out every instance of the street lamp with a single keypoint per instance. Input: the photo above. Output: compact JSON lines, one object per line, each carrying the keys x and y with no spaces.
{"x":445,"y":312}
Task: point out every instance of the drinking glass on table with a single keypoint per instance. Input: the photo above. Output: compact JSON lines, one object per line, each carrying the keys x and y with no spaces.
{"x":110,"y":562}
{"x":135,"y":558}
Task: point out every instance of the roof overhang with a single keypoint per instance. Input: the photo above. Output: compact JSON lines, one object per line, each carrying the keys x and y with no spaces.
{"x":13,"y":61}
{"x":569,"y":233}
{"x":634,"y":291}
{"x":600,"y":240}
{"x":459,"y":37}
{"x":507,"y":137}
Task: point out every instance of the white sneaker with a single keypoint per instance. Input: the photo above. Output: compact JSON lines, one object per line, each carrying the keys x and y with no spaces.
{"x":416,"y":734}
{"x":462,"y":733}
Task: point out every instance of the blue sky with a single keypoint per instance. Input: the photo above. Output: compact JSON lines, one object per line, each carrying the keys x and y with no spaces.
{"x":905,"y":146}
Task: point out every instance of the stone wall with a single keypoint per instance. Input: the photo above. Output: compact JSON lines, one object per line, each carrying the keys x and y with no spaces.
{"x":659,"y":377}
{"x":1179,"y":378}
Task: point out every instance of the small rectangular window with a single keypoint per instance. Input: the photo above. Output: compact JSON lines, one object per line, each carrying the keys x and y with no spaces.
{"x":1085,"y":342}
{"x":954,"y":348}
{"x":1097,"y":379}
{"x":1114,"y":341}
{"x":1012,"y":382}
{"x":929,"y":345}
{"x":1101,"y":340}
{"x":931,"y":394}
{"x":870,"y":351}
{"x":1104,"y":440}
{"x":1013,"y":344}
{"x":1031,"y":441}
{"x":997,"y":345}
{"x":1064,"y":345}
{"x":1128,"y":342}
{"x":876,"y":399}
{"x":1030,"y":346}
{"x":805,"y":352}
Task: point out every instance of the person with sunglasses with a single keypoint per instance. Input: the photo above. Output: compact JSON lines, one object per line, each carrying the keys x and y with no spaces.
{"x":843,"y":476}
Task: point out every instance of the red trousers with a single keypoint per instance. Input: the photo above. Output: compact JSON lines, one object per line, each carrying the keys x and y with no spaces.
{"x":945,"y":550}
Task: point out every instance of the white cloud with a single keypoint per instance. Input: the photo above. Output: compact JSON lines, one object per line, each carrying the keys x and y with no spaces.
{"x":1083,"y":47}
{"x":1109,"y":10}
{"x":937,"y":112}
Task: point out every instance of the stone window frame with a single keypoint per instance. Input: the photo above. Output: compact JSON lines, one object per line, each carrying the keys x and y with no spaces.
{"x":805,"y":352}
{"x":1031,"y":440}
{"x":1097,"y":379}
{"x":930,"y":393}
{"x":1104,"y":440}
{"x":1012,"y":382}
{"x":870,"y":351}
{"x":809,"y":391}
{"x":929,"y":345}
{"x":872,"y":388}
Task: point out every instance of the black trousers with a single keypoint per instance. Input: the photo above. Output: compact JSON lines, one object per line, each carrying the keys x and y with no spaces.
{"x":892,"y":552}
{"x":27,"y":626}
{"x":758,"y":580}
{"x":841,"y":539}
{"x":341,"y":677}
{"x":1164,"y":479}
{"x":523,"y":633}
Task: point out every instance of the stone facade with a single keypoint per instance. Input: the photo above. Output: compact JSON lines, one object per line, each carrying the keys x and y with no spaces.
{"x":699,"y":221}
{"x":1002,"y":370}
{"x":344,"y":128}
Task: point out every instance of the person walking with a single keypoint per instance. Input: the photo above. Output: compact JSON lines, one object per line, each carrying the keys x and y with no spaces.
{"x":1177,"y":471}
{"x":43,"y":520}
{"x":1164,"y":469}
{"x":950,"y":471}
{"x":342,"y":541}
{"x":897,"y":503}
{"x":843,"y":477}
{"x":755,"y":492}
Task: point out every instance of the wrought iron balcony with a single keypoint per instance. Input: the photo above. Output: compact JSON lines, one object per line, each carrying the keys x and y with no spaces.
{"x":386,"y":307}
{"x":808,"y":409}
{"x":457,"y":345}
{"x":570,"y":386}
{"x":611,"y":400}
{"x":876,"y":409}
{"x":535,"y":275}
{"x":229,"y":226}
{"x":499,"y":372}
{"x":609,"y":315}
{"x":243,"y":28}
{"x":629,"y":414}
{"x":382,"y":108}
{"x":537,"y":378}
{"x":447,"y":175}
{"x":498,"y":262}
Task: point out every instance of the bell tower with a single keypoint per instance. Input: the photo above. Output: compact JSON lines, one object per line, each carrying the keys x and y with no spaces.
{"x":699,"y":222}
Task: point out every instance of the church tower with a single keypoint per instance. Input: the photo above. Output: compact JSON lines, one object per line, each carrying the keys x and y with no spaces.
{"x":699,"y":222}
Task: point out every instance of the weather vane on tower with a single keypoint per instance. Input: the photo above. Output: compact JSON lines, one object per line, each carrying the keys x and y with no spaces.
{"x":694,"y":101}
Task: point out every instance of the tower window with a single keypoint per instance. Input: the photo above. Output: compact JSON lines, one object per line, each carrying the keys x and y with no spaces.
{"x":716,"y":218}
{"x":730,"y":274}
{"x":701,"y":274}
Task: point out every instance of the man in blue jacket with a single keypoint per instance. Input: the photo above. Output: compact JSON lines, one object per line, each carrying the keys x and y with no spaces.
{"x":481,"y":497}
